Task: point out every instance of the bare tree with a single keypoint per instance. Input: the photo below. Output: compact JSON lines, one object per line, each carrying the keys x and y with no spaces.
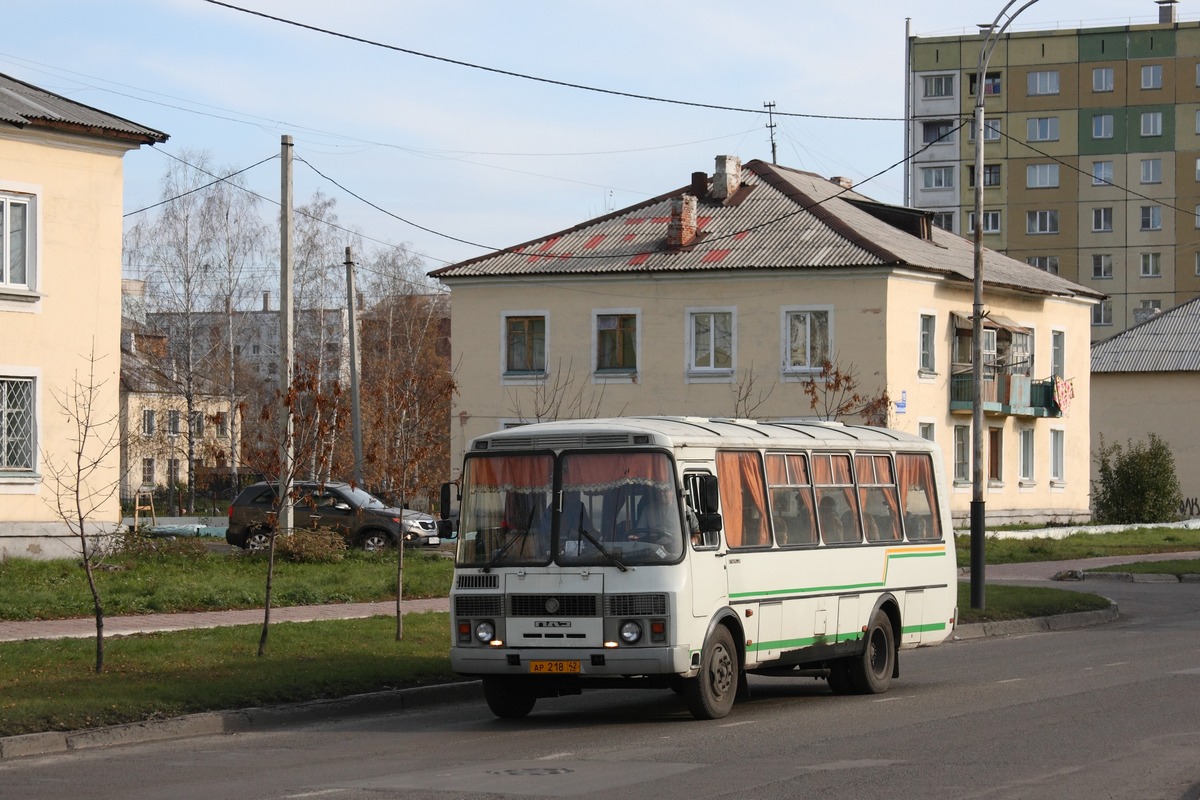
{"x":834,"y":393}
{"x":562,"y":395}
{"x":195,"y":253}
{"x":748,"y":397}
{"x":87,"y":480}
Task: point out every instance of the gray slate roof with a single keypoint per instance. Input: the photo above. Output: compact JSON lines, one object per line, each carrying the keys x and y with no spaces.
{"x":26,"y":106}
{"x":788,"y":219}
{"x":1166,"y":342}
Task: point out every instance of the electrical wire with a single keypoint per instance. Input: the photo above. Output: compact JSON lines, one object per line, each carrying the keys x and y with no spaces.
{"x":551,"y":81}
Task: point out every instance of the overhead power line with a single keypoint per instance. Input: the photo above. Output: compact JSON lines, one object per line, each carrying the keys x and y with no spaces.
{"x":539,"y":79}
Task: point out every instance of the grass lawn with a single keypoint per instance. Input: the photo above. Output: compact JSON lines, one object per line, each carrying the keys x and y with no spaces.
{"x":1131,"y":542}
{"x":1021,"y":602}
{"x":1174,"y":567}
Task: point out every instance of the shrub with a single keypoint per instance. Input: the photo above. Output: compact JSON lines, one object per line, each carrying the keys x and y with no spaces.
{"x":139,"y":542}
{"x":1137,"y":483}
{"x":319,"y":546}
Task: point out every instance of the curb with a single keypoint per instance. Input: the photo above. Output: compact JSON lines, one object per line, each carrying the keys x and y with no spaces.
{"x":209,"y":723}
{"x":1126,"y":577}
{"x":1059,"y":622}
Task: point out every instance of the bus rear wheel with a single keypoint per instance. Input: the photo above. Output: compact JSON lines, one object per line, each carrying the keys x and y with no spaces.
{"x":507,"y":697}
{"x":710,"y":694}
{"x":871,"y":672}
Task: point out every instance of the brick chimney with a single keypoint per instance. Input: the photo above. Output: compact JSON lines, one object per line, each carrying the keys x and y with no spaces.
{"x":700,"y":184}
{"x":1166,"y":11}
{"x":681,"y":230}
{"x":266,"y":301}
{"x":727,"y":178}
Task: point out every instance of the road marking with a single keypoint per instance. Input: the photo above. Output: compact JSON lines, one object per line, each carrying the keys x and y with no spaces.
{"x":1117,"y":664}
{"x":553,"y":756}
{"x":318,"y":794}
{"x":1011,"y":680}
{"x":1187,"y":672}
{"x":735,"y":724}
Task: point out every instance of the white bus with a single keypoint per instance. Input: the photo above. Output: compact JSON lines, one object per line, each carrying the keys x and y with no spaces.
{"x":686,"y":553}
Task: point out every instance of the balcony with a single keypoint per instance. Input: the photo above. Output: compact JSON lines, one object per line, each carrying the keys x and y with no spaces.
{"x":1005,"y":395}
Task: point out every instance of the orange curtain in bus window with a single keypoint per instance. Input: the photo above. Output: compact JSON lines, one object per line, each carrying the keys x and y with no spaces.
{"x":918,"y":503}
{"x":877,"y":495}
{"x":743,"y":499}
{"x":511,"y":473}
{"x":599,"y":471}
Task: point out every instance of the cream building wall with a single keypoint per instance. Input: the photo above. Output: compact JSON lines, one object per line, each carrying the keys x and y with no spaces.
{"x":876,"y":331}
{"x":1120,"y":402}
{"x":75,"y":184}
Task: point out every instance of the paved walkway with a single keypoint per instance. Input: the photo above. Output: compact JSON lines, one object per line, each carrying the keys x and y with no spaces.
{"x":153,"y":623}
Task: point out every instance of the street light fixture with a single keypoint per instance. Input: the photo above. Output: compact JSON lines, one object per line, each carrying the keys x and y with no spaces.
{"x":978,"y":529}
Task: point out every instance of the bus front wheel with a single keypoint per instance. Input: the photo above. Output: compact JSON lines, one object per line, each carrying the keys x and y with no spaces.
{"x":710,"y":694}
{"x":507,"y":697}
{"x":871,"y":672}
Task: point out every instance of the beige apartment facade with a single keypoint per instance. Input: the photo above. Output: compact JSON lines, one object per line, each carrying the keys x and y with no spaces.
{"x":795,"y":269}
{"x":60,"y":309}
{"x":1091,"y":154}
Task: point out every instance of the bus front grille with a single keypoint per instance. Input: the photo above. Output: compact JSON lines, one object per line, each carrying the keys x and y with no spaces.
{"x":553,"y":605}
{"x":635,"y":605}
{"x":477,"y":581}
{"x":481,"y":605}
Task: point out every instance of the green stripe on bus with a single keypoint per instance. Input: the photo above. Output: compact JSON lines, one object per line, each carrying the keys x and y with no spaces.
{"x":809,"y":641}
{"x":845,"y":587}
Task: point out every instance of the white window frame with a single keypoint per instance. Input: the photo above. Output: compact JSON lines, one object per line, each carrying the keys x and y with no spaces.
{"x":1102,"y":313}
{"x":699,"y":373}
{"x":1151,"y":264}
{"x":941,"y":177}
{"x":1041,"y":129}
{"x":1041,"y":222}
{"x":1102,"y":266}
{"x":522,"y":376}
{"x":149,"y":466}
{"x":940,"y":217}
{"x":991,"y":221}
{"x":1102,"y":173}
{"x":1058,"y":353}
{"x":24,"y":291}
{"x":927,"y":343}
{"x":1102,"y":79}
{"x":1152,"y":124}
{"x":1041,"y":176}
{"x":1151,"y":170}
{"x":1042,"y":82}
{"x":927,"y":430}
{"x":173,"y":427}
{"x":801,"y":372}
{"x":1044,"y":263}
{"x":1026,"y":473}
{"x":1152,"y":76}
{"x":1102,"y":126}
{"x":1058,"y":456}
{"x":611,"y":374}
{"x":1151,"y":218}
{"x":939,"y":85}
{"x":962,"y":454}
{"x":946,"y":138}
{"x":149,"y":422}
{"x":1102,"y":219}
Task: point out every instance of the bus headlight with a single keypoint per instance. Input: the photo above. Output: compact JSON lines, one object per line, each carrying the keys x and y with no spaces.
{"x":485,"y":631}
{"x":631,"y":632}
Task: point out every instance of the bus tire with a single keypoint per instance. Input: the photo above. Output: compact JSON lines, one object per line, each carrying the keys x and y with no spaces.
{"x":871,"y":671}
{"x":508,"y":697}
{"x":839,"y":677}
{"x":710,"y":694}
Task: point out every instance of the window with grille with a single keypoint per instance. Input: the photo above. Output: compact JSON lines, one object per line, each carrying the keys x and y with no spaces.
{"x":17,"y":434}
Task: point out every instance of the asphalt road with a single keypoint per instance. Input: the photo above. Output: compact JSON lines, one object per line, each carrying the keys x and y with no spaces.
{"x":1111,"y":711}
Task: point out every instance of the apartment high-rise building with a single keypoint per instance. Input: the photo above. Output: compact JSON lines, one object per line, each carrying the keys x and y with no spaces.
{"x":1091,"y":154}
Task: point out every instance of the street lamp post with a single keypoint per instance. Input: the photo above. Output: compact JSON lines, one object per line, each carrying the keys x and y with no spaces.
{"x":978,"y":529}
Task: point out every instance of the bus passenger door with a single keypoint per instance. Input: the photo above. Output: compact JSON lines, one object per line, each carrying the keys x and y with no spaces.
{"x":706,"y":551}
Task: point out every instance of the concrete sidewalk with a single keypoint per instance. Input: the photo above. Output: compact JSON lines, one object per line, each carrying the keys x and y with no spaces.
{"x":1046,"y":570}
{"x":83,"y":627}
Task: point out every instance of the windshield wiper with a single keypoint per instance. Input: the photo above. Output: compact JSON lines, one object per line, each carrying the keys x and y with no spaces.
{"x":585,"y":532}
{"x":521,"y":535}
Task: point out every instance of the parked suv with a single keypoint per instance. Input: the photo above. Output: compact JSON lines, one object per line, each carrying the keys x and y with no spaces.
{"x":364,"y":519}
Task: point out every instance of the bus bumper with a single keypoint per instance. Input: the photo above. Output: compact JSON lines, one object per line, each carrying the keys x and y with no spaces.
{"x":593,"y":662}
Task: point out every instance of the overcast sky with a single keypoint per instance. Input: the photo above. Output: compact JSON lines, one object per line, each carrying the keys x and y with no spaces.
{"x":484,"y":157}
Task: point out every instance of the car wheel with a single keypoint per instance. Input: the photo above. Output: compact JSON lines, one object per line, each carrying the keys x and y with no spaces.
{"x":374,"y":540}
{"x":257,"y":539}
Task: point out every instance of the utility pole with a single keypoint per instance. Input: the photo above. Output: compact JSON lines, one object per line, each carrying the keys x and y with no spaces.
{"x":286,"y":345}
{"x":770,"y":107}
{"x":355,"y":407}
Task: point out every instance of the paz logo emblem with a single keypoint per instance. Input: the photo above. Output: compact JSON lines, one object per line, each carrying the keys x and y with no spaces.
{"x":552,"y":605}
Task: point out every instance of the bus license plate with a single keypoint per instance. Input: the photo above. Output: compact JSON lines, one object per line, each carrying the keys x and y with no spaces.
{"x":554,"y":666}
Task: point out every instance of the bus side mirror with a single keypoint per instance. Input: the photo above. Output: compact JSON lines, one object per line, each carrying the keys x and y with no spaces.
{"x":710,"y":522}
{"x":710,"y":496}
{"x":444,"y":502}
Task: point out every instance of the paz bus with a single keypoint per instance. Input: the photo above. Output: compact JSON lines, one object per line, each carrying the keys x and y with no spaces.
{"x":685,"y":553}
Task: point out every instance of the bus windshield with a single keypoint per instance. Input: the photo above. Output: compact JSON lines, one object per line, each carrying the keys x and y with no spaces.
{"x":614,"y":509}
